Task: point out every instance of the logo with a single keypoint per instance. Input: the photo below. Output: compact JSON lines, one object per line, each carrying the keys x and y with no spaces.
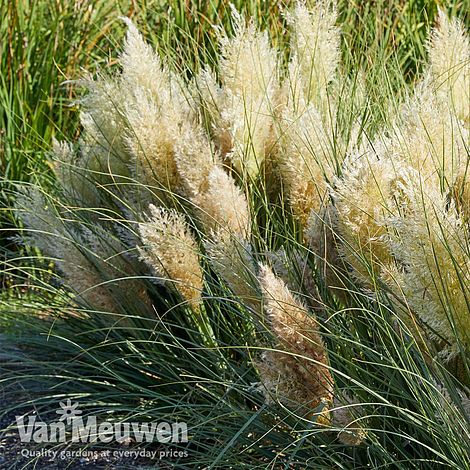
{"x":72,"y":427}
{"x":68,"y":411}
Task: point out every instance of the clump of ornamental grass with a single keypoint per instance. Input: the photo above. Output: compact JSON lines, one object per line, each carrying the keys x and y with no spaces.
{"x":401,"y":219}
{"x":180,"y":194}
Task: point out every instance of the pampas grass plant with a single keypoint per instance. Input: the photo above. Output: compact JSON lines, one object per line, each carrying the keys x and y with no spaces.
{"x":240,"y":250}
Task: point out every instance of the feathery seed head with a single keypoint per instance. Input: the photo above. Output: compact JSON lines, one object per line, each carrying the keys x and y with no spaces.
{"x":429,"y":138}
{"x":248,"y":73}
{"x":151,"y":140}
{"x":248,"y":65}
{"x":304,"y":373}
{"x":304,"y":149}
{"x":223,"y":207}
{"x":449,"y":57}
{"x":142,"y":69}
{"x":141,"y":65}
{"x":83,"y":271}
{"x":368,"y":192}
{"x":432,"y":243}
{"x":194,"y":160}
{"x":315,"y":44}
{"x":171,"y":251}
{"x":104,"y":126}
{"x":158,"y":111}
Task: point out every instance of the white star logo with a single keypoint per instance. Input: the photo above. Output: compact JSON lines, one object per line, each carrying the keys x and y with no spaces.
{"x":68,"y":411}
